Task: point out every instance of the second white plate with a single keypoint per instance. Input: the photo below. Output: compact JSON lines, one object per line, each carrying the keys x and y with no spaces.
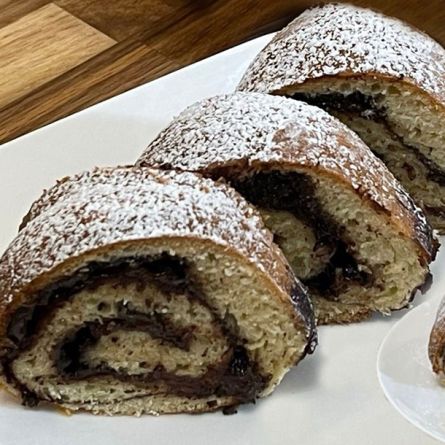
{"x":405,"y":373}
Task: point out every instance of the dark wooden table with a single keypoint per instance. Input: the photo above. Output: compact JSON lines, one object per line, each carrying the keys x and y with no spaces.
{"x":61,"y":56}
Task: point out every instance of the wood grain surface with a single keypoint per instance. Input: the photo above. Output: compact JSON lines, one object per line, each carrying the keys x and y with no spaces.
{"x":44,"y":52}
{"x":59,"y":57}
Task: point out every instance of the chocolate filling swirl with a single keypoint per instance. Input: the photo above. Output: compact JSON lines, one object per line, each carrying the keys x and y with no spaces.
{"x":366,"y":107}
{"x":294,"y":192}
{"x":235,"y":374}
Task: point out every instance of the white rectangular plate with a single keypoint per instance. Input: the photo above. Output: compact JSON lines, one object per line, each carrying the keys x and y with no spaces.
{"x":332,"y":397}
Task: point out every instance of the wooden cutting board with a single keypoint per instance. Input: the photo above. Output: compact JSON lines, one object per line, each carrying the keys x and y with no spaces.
{"x":61,"y":56}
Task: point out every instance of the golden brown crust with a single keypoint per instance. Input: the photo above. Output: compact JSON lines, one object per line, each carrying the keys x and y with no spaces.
{"x":242,"y":133}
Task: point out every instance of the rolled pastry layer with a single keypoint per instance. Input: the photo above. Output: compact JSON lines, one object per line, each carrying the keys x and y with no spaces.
{"x":347,"y":227}
{"x":381,"y":77}
{"x":131,"y":291}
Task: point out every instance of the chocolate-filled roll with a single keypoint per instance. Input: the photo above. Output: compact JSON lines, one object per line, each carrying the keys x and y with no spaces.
{"x":348,"y":228}
{"x":381,"y":77}
{"x":131,"y":291}
{"x":436,"y":346}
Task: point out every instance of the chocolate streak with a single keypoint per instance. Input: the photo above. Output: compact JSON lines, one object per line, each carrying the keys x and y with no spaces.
{"x":436,"y":211}
{"x":67,"y":354}
{"x":366,"y":107}
{"x":235,"y":375}
{"x":295,"y":193}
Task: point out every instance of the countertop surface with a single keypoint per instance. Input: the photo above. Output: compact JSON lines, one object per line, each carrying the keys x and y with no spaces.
{"x":62,"y":56}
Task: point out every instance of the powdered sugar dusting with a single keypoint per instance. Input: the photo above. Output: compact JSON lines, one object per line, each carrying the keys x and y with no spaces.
{"x":339,"y":38}
{"x":106,"y":206}
{"x":260,"y":131}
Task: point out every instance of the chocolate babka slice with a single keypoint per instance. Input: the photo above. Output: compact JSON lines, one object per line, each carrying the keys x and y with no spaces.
{"x":347,"y":227}
{"x":381,"y":77}
{"x":131,"y":291}
{"x":436,"y":346}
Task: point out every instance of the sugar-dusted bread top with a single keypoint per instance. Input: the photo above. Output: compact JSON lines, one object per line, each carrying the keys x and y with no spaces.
{"x":345,"y":40}
{"x":109,"y":208}
{"x":250,"y":131}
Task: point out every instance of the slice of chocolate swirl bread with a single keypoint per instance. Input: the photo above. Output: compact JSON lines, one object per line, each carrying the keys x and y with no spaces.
{"x":347,"y":227}
{"x":436,"y":345}
{"x":131,"y":291}
{"x":381,"y":77}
